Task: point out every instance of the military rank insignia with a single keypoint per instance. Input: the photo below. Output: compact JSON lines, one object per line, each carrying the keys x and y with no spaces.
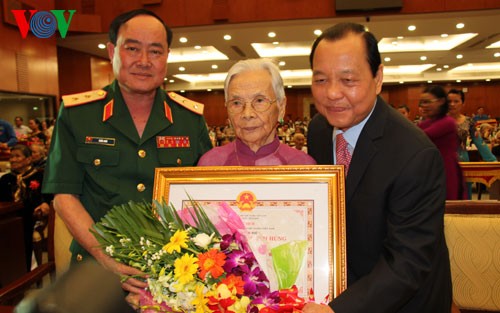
{"x":172,"y":142}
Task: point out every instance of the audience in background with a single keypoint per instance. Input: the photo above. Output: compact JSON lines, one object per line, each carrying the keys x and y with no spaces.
{"x":299,"y":141}
{"x":466,"y":131}
{"x":24,"y":184}
{"x":22,"y":131}
{"x":480,"y":115}
{"x":7,"y":137}
{"x":405,"y":110}
{"x":442,"y":130}
{"x":38,"y":155}
{"x":36,"y":135}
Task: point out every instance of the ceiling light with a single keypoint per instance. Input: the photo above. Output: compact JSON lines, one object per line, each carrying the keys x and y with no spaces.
{"x":190,"y":54}
{"x":487,"y":79}
{"x":182,"y":91}
{"x":171,"y":81}
{"x":271,"y":34}
{"x":267,"y":50}
{"x":458,"y":81}
{"x":165,"y":79}
{"x":423,"y":43}
{"x":401,"y":82}
{"x":406,"y":69}
{"x":494,"y":45}
{"x":289,"y":86}
{"x":183,"y":39}
{"x":400,"y":37}
{"x":459,"y":56}
{"x":444,"y":35}
{"x":412,"y":28}
{"x":446,"y":66}
{"x":215,"y":66}
{"x":496,"y":54}
{"x":227,"y":37}
{"x":460,"y":25}
{"x":282,"y":63}
{"x":387,"y":59}
{"x":476,"y":68}
{"x":195,"y":79}
{"x":439,"y":69}
{"x":209,"y":89}
{"x":294,"y":74}
{"x":182,"y":68}
{"x":197,"y":47}
{"x":429,"y":81}
{"x":423,"y":58}
{"x":317,"y":32}
{"x":101,"y":46}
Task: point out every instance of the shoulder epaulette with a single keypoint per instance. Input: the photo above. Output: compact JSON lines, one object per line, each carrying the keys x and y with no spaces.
{"x":191,"y":105}
{"x":83,"y":97}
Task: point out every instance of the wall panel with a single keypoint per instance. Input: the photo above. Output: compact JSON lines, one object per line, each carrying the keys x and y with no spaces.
{"x":74,"y":71}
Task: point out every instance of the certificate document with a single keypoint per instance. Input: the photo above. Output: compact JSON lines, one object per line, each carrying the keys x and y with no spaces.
{"x":293,"y":217}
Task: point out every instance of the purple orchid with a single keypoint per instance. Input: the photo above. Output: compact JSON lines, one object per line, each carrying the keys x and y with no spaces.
{"x":267,"y":298}
{"x":255,"y":280}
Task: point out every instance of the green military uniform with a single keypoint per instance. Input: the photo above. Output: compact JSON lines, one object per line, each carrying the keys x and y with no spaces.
{"x":96,"y":151}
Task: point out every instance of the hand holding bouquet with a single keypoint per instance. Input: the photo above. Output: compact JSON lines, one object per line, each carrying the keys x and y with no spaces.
{"x":192,"y":263}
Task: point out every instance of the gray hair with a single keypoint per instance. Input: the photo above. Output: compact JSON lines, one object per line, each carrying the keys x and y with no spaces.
{"x":253,"y":65}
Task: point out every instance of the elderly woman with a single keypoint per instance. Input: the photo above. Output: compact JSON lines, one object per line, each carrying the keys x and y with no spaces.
{"x":255,"y":102}
{"x":442,"y":130}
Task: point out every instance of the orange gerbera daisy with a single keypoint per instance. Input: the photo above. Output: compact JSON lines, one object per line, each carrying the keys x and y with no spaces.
{"x":234,"y":283}
{"x":211,"y":262}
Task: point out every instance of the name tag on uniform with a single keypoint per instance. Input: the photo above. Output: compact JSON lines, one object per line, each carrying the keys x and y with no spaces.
{"x":100,"y":141}
{"x":172,"y":142}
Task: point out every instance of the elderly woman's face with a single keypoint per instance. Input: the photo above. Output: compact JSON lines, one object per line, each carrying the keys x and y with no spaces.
{"x":254,"y":128}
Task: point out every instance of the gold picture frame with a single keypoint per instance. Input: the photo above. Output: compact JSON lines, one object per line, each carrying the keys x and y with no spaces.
{"x":276,"y":203}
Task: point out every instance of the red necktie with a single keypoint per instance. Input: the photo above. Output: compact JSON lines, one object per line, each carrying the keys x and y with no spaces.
{"x":342,"y":155}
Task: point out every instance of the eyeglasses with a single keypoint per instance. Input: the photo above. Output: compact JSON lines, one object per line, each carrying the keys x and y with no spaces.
{"x":259,"y":104}
{"x":427,"y":101}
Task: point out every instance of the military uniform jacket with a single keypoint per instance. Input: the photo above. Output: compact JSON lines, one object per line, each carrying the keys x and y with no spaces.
{"x":96,"y":152}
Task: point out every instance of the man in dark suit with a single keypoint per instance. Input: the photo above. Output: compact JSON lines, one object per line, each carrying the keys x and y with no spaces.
{"x":397,"y":259}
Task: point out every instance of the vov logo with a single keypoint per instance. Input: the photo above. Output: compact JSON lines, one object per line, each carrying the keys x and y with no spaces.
{"x":43,"y":24}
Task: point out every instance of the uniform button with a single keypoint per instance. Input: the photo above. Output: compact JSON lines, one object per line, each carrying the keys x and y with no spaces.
{"x":179,"y":161}
{"x":141,"y":153}
{"x":97,"y":162}
{"x":79,"y":257}
{"x":141,"y":187}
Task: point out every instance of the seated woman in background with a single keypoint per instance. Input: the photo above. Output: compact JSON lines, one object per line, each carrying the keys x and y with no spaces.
{"x":442,"y":130}
{"x":38,"y":155}
{"x":255,"y":102}
{"x":36,"y":135}
{"x":24,"y":184}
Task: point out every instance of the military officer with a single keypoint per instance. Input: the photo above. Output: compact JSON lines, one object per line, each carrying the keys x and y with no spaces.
{"x":107,"y":143}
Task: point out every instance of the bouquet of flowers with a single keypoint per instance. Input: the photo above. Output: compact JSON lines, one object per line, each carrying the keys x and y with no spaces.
{"x":194,"y":263}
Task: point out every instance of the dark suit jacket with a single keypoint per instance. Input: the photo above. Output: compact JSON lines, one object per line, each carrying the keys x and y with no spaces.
{"x":397,"y":259}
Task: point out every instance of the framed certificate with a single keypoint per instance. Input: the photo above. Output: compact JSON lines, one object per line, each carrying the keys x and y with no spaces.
{"x":301,"y":208}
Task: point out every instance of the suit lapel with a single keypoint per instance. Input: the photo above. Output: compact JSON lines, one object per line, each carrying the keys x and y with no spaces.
{"x":366,"y":147}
